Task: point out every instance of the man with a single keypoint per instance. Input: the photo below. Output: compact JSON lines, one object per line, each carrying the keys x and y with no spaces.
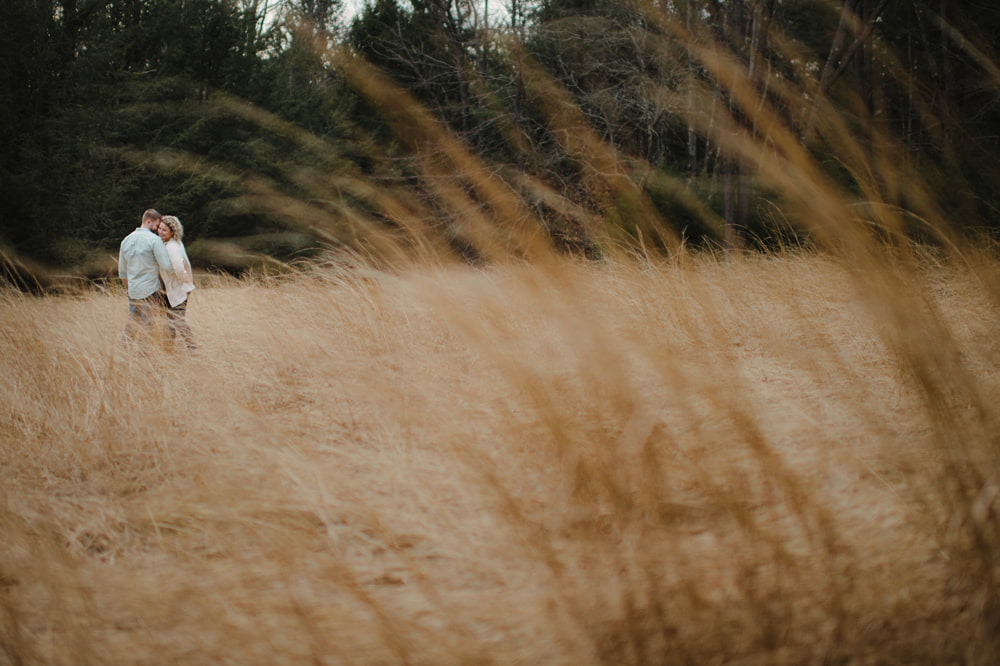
{"x":141,"y":257}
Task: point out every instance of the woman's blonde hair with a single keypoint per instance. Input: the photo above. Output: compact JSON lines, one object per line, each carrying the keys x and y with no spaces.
{"x":175,"y":225}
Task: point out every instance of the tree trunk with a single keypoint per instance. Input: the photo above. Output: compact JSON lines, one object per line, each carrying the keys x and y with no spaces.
{"x":692,"y":135}
{"x":735,"y":223}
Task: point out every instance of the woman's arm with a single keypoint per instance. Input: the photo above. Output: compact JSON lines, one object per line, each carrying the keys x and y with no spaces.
{"x":177,"y":256}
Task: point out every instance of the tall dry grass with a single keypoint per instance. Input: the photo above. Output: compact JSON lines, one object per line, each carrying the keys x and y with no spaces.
{"x":735,"y":459}
{"x":679,"y":458}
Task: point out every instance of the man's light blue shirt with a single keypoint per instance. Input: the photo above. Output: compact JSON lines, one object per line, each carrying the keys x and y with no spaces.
{"x":141,"y":257}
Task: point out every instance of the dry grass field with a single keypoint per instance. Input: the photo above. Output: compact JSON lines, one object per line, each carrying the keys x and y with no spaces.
{"x":746,"y":459}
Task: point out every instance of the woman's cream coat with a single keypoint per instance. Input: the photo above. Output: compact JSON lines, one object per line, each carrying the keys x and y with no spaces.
{"x":179,"y":284}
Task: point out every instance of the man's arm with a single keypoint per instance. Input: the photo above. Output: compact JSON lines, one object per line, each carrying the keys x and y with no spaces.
{"x":162,"y":258}
{"x":123,"y":266}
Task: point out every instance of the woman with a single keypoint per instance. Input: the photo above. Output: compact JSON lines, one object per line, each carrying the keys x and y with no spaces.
{"x":180,"y":283}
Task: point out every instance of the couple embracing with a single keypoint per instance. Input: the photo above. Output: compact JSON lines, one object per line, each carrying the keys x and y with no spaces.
{"x":156,"y":271}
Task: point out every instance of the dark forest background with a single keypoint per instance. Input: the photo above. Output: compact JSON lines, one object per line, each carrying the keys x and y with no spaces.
{"x":195,"y":107}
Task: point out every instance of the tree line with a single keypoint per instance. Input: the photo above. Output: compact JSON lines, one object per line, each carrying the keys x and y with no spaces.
{"x":597,"y":113}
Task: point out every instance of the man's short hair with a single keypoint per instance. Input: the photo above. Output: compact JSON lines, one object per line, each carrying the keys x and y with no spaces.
{"x":151,"y":214}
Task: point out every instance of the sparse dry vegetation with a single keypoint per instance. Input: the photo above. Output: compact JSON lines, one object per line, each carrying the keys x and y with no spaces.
{"x":740,"y":459}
